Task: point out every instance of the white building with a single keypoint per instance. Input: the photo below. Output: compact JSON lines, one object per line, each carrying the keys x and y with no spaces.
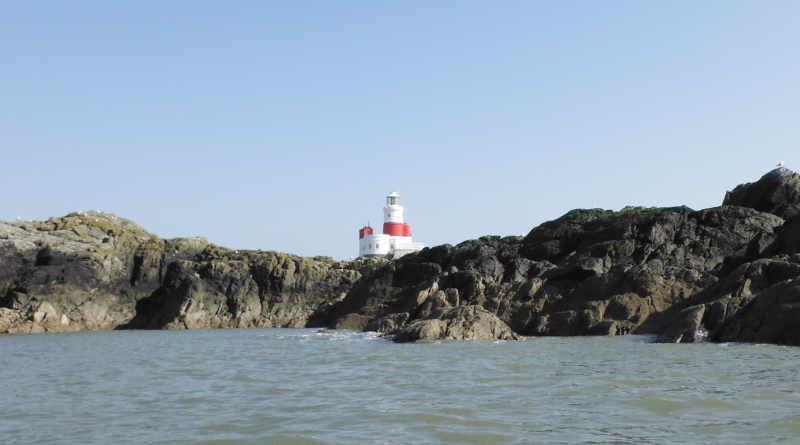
{"x":395,"y":241}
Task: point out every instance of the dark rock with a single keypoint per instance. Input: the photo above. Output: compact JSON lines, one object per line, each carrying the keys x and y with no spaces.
{"x":388,"y":323}
{"x":771,"y":316}
{"x":97,"y":271}
{"x":787,"y":242}
{"x":777,"y":192}
{"x":687,"y":328}
{"x":591,"y":272}
{"x":728,"y":273}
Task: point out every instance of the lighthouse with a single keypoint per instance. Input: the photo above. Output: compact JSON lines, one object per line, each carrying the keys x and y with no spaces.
{"x":395,"y":241}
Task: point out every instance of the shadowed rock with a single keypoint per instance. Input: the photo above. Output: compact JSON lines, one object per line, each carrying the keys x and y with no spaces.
{"x":777,"y":192}
{"x":688,"y":328}
{"x":95,"y":271}
{"x":591,"y":272}
{"x":729,"y":273}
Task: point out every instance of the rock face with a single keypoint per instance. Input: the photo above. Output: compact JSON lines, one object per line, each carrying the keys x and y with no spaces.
{"x":777,"y":192}
{"x":95,"y":271}
{"x":727,"y":273}
{"x":591,"y":272}
{"x":460,"y":323}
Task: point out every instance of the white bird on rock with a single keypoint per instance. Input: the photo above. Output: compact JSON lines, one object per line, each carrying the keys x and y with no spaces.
{"x":781,"y":164}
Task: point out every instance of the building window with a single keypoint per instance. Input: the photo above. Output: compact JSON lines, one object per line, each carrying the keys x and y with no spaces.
{"x":377,"y":246}
{"x":370,"y":246}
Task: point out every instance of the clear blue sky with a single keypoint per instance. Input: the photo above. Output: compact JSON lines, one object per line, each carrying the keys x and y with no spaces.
{"x":283,"y":125}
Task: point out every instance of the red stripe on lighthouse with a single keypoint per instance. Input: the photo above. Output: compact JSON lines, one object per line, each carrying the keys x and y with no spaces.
{"x":396,"y":229}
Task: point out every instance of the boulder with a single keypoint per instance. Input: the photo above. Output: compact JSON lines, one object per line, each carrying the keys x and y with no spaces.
{"x":687,"y":328}
{"x":461,"y":323}
{"x":387,"y":324}
{"x":777,"y":192}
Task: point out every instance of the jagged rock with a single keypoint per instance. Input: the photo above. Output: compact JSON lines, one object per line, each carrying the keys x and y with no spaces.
{"x":591,"y":272}
{"x":95,"y":271}
{"x":771,"y":316}
{"x":788,"y":240}
{"x":756,"y":303}
{"x":777,"y":192}
{"x":669,"y":271}
{"x":461,"y":323}
{"x":672,"y":272}
{"x":351,"y":321}
{"x":687,"y":329}
{"x":388,"y":323}
{"x":11,"y":319}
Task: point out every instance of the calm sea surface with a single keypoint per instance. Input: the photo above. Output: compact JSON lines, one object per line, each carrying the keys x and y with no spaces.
{"x":299,"y":386}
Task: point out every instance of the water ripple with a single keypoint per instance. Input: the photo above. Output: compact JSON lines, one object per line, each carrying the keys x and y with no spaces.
{"x":309,"y":386}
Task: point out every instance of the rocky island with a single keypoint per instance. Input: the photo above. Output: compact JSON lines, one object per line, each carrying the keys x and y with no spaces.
{"x":725,"y":274}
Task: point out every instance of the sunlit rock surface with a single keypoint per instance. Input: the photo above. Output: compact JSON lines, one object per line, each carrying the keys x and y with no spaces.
{"x":96,"y":271}
{"x":725,"y":274}
{"x":722,"y":274}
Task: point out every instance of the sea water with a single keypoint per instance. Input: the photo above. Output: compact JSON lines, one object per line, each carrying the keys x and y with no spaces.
{"x":305,"y":386}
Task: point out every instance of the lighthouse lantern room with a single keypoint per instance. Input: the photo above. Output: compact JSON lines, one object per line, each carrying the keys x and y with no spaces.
{"x":395,"y":241}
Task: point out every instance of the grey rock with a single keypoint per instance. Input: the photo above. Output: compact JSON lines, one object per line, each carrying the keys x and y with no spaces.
{"x":95,"y":271}
{"x":729,"y":273}
{"x":461,"y":323}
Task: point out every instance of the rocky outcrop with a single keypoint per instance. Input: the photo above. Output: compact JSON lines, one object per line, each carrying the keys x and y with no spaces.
{"x":459,"y":323}
{"x":726,"y":274}
{"x":95,"y":271}
{"x":769,"y":316}
{"x":591,"y":272}
{"x":777,"y":192}
{"x":758,"y":302}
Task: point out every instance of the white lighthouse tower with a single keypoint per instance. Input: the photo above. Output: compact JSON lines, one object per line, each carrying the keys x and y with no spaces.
{"x":395,"y":241}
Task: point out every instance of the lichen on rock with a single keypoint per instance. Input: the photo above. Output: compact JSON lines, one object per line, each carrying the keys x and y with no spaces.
{"x":96,"y":271}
